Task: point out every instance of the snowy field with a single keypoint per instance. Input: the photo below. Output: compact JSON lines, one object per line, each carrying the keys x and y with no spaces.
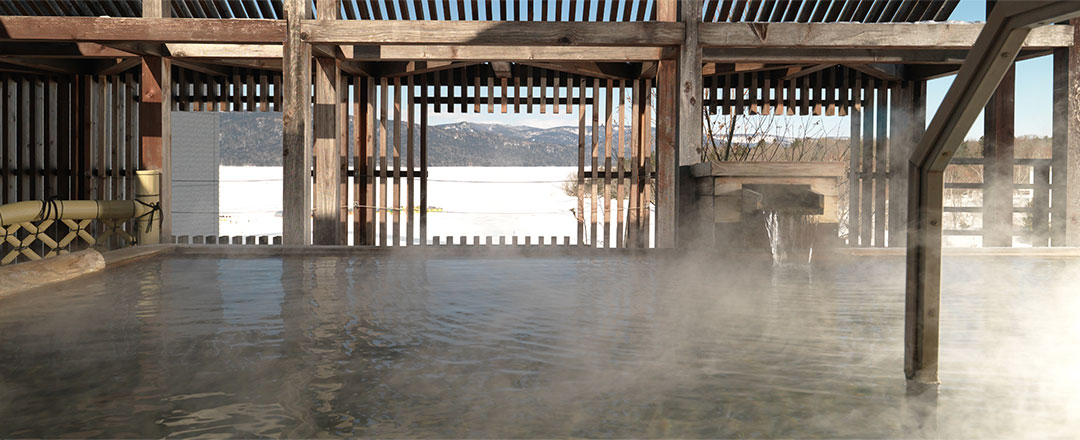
{"x":474,"y":201}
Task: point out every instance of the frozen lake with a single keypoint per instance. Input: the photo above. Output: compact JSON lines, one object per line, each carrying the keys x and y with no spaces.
{"x":474,"y":201}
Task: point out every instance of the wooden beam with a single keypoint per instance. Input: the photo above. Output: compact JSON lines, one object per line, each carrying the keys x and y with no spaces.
{"x":403,"y":68}
{"x":992,"y":55}
{"x":204,"y":68}
{"x":596,"y":70}
{"x":887,"y":72}
{"x":110,"y":29}
{"x":296,"y":135}
{"x":805,"y":71}
{"x":506,"y":53}
{"x":203,"y":50}
{"x":60,"y":50}
{"x":49,"y":65}
{"x":801,"y":36}
{"x":107,"y":67}
{"x":484,"y":33}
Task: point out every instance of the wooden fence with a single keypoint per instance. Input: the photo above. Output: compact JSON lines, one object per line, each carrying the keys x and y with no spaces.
{"x":71,"y":137}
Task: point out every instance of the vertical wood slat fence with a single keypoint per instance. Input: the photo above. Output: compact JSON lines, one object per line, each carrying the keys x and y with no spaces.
{"x":382,"y":187}
{"x":69,"y":137}
{"x":873,"y":116}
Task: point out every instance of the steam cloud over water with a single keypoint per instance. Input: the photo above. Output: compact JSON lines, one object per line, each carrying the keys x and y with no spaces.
{"x":528,"y":346}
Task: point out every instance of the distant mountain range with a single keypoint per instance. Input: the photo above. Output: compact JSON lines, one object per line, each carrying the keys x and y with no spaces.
{"x":254,"y":139}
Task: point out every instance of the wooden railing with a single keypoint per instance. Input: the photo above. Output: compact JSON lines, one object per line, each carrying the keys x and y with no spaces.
{"x":42,"y":229}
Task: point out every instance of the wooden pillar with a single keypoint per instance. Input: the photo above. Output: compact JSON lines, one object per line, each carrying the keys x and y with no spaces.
{"x":155,"y":133}
{"x":998,"y":160}
{"x":667,"y":153}
{"x":998,"y":139}
{"x":157,"y":8}
{"x":327,"y":191}
{"x":689,"y":125}
{"x":296,"y":134}
{"x":908,"y":122}
{"x":1065,"y":216}
{"x":155,"y":119}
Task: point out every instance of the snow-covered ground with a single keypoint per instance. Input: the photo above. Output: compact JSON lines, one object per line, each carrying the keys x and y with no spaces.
{"x":471,"y":201}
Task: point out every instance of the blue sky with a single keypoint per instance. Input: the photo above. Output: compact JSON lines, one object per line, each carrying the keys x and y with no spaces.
{"x":1033,"y":96}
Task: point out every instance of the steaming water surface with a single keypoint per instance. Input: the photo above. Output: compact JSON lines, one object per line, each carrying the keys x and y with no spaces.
{"x":533,"y":347}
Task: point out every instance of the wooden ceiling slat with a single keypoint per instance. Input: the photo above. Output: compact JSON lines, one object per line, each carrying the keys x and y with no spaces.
{"x":34,"y":8}
{"x":253,"y":9}
{"x":752,"y":10}
{"x":903,"y":11}
{"x":835,"y":8}
{"x":460,"y":9}
{"x":237,"y":9}
{"x":861,"y":11}
{"x":66,"y":8}
{"x":946,"y":10}
{"x":778,"y":10}
{"x":489,"y":11}
{"x":517,"y":10}
{"x":588,"y":14}
{"x":917,"y":10}
{"x":766,"y":11}
{"x":820,"y":12}
{"x":807,"y":11}
{"x":279,"y":9}
{"x":710,"y":11}
{"x":53,"y":9}
{"x":738,"y":10}
{"x":613,"y":13}
{"x":530,"y":9}
{"x":182,"y":9}
{"x":208,"y":9}
{"x":931,"y":10}
{"x":875,"y":11}
{"x":348,"y":10}
{"x":849,"y":10}
{"x":724,"y":13}
{"x":96,"y":7}
{"x":432,"y":10}
{"x":502,"y":11}
{"x":196,"y":9}
{"x":793,"y":10}
{"x":221,"y":8}
{"x":652,"y":10}
{"x":889,"y":12}
{"x":640,"y":11}
{"x":403,"y":7}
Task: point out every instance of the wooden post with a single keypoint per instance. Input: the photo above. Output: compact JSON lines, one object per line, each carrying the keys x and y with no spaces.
{"x":296,"y":145}
{"x":689,"y":123}
{"x":667,"y":116}
{"x":908,"y":121}
{"x":989,"y":60}
{"x":855,"y":156}
{"x":155,"y":135}
{"x":1065,"y":218}
{"x":998,"y":164}
{"x":327,"y":193}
